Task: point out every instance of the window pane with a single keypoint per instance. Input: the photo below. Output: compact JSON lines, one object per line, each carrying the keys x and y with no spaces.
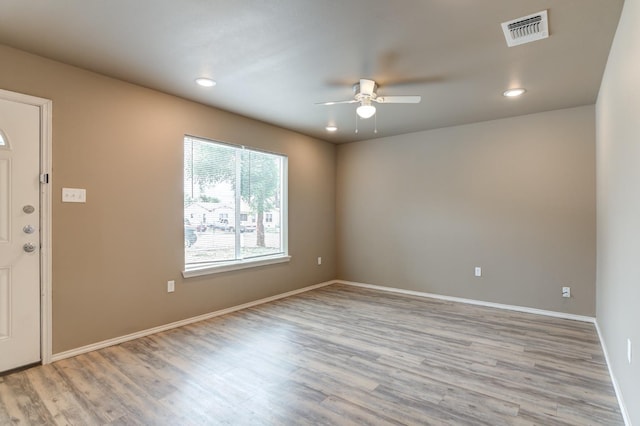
{"x":261,"y":193}
{"x":232,"y":203}
{"x":209,"y":178}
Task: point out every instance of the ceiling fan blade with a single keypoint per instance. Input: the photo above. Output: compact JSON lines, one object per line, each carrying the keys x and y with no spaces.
{"x":352,"y":101}
{"x":398,"y":99}
{"x":367,"y":86}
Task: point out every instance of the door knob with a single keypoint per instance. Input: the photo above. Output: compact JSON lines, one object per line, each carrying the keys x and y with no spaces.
{"x":29,"y":247}
{"x":28,"y":209}
{"x":28,"y":229}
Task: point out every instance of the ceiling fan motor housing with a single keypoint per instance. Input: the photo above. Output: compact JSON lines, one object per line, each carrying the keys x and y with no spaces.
{"x":359,"y":95}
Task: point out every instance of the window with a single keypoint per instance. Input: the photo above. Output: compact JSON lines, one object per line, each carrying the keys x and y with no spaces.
{"x":244,"y":191}
{"x":3,"y":140}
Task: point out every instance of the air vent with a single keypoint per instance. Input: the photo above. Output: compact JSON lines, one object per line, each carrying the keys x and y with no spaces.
{"x":526,"y":29}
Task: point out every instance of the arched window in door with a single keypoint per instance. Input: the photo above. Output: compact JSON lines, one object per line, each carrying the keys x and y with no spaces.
{"x":4,"y":141}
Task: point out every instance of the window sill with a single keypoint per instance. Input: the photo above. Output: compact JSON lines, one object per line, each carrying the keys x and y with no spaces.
{"x":226,"y":267}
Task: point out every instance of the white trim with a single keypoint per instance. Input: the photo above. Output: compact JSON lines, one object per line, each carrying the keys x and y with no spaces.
{"x":284,"y":205}
{"x":473,"y":302}
{"x":115,"y":341}
{"x":46,"y":152}
{"x":46,"y":133}
{"x":110,"y":342}
{"x":623,"y":407}
{"x":234,"y":266}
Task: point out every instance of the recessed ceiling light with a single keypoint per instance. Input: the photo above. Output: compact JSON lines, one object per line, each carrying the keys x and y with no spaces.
{"x":512,"y":93}
{"x":331,"y":128}
{"x":205,"y":82}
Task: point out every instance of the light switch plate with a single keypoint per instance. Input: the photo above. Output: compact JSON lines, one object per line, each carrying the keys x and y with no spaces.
{"x":74,"y":195}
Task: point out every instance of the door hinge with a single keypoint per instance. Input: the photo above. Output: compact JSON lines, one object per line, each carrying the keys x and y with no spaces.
{"x":44,"y":178}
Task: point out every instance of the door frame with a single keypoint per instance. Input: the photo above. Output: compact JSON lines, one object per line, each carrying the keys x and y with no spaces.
{"x":45,"y":106}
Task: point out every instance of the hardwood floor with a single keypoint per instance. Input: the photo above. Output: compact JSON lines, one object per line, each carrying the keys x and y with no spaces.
{"x":336,"y":355}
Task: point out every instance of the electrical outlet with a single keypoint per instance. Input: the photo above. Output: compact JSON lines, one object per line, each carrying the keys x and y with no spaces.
{"x":319,"y":261}
{"x":566,"y":291}
{"x":171,"y":286}
{"x":629,"y":350}
{"x":478,"y":271}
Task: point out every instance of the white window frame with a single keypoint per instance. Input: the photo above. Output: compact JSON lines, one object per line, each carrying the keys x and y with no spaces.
{"x":238,"y":264}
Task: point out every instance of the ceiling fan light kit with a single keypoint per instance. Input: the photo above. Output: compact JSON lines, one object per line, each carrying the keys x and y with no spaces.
{"x":366,"y":110}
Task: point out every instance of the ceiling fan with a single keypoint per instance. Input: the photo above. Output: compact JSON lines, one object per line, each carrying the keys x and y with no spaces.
{"x":365,"y":94}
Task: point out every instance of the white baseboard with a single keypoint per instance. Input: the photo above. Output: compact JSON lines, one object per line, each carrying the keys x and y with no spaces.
{"x":555,"y":314}
{"x":117,"y":340}
{"x":623,"y":407}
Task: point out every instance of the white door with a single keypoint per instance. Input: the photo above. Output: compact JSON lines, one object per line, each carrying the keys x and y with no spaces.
{"x":19,"y":234}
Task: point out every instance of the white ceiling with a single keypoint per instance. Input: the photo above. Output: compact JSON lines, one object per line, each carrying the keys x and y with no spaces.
{"x":274,"y":59}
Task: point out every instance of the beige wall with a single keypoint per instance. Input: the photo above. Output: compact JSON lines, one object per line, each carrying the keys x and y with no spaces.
{"x":514,"y":196}
{"x":113,"y":255}
{"x":618,"y":171}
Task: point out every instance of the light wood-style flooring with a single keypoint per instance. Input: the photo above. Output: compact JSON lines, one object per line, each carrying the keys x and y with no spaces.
{"x":336,"y":355}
